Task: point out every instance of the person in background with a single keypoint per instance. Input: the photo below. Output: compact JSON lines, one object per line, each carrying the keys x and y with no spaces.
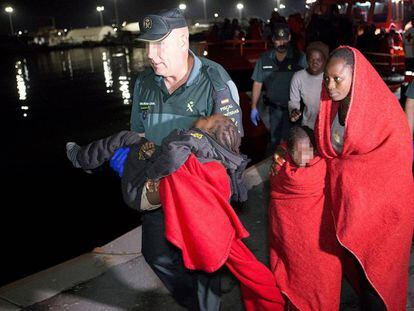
{"x":179,"y":88}
{"x":409,"y":46}
{"x":409,"y":106}
{"x":274,"y":70}
{"x":306,"y":85}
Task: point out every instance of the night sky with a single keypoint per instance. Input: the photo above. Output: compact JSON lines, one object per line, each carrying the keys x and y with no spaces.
{"x":30,"y":14}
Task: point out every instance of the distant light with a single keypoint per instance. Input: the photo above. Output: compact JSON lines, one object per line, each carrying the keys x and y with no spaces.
{"x":268,"y":21}
{"x":377,"y":31}
{"x":124,"y":24}
{"x":197,"y":24}
{"x":25,"y":115}
{"x":182,"y":6}
{"x":240,"y":6}
{"x":205,"y":53}
{"x":20,"y":33}
{"x":339,"y":6}
{"x":307,"y":6}
{"x":275,"y":9}
{"x":65,"y":30}
{"x":115,"y":29}
{"x":24,"y":107}
{"x":216,"y":15}
{"x":282,"y":6}
{"x":59,"y":33}
{"x":8,"y":9}
{"x":100,"y":8}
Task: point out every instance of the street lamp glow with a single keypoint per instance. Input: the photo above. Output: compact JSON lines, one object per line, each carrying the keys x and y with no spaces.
{"x":182,"y":6}
{"x":240,"y":6}
{"x":275,"y":9}
{"x":282,"y":6}
{"x":9,"y":10}
{"x":100,"y":8}
{"x":216,"y":15}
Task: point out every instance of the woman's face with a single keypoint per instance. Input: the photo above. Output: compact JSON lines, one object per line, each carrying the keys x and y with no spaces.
{"x":338,"y":78}
{"x":316,"y":62}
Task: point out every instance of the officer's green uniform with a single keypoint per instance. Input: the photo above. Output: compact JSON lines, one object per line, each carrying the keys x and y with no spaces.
{"x":207,"y":91}
{"x":276,"y":77}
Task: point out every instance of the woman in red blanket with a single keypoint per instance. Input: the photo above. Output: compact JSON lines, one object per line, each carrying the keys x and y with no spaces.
{"x":304,"y":252}
{"x":364,"y":136}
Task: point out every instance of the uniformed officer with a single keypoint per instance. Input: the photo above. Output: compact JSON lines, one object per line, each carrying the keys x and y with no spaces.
{"x":275,"y":69}
{"x":177,"y":89}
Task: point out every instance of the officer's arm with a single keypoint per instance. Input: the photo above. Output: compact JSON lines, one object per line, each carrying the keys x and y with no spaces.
{"x":257,"y":78}
{"x":256,"y":90}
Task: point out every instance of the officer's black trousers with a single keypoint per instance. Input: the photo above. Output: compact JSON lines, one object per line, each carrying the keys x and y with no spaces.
{"x":194,"y":290}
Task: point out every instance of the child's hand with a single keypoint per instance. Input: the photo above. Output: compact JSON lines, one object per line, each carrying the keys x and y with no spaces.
{"x":279,"y":157}
{"x":147,"y":150}
{"x":153,"y":194}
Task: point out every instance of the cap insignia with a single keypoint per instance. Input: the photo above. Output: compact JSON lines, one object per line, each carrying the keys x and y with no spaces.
{"x":147,"y":23}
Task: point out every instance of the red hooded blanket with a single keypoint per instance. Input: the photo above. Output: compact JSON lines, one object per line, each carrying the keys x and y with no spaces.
{"x":370,"y":184}
{"x":304,"y":252}
{"x":200,"y":221}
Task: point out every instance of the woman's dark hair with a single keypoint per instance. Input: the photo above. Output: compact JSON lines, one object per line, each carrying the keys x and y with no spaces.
{"x":225,"y":132}
{"x":297,"y":133}
{"x":345,"y":54}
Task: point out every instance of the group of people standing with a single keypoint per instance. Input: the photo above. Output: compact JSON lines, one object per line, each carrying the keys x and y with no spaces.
{"x":342,"y":195}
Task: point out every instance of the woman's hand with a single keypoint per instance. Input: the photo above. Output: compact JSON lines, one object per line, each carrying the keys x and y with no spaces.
{"x":153,"y":194}
{"x":295,"y":115}
{"x":279,"y":157}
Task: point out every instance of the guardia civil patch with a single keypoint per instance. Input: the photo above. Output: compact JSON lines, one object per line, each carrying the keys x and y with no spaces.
{"x":190,"y":106}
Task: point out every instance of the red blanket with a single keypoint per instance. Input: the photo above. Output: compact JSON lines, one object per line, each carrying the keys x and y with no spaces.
{"x":370,"y":184}
{"x":304,"y":252}
{"x":200,"y":221}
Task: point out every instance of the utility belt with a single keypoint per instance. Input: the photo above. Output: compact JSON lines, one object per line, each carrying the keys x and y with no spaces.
{"x":276,"y":105}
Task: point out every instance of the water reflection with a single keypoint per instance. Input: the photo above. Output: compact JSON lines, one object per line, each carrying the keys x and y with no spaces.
{"x":107,"y":71}
{"x":22,"y":79}
{"x":101,"y":71}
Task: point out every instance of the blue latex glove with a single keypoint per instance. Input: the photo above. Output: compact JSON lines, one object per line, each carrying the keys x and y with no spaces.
{"x":117,"y":161}
{"x":254,"y":116}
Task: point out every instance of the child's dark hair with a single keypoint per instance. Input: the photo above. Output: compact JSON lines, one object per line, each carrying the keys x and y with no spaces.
{"x":300,"y":132}
{"x":345,"y":54}
{"x":225,"y":132}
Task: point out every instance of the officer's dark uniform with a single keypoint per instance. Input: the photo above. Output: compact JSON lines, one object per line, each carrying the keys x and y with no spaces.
{"x":156,"y":113}
{"x":276,"y":77}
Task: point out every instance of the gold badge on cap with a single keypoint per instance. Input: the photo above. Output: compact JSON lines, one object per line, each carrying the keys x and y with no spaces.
{"x":281,"y":33}
{"x":147,"y":23}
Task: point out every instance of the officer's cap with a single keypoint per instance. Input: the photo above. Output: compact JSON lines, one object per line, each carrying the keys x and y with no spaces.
{"x":156,"y":27}
{"x":281,"y":31}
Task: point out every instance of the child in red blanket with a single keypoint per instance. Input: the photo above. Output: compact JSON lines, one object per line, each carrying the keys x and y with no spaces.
{"x":304,"y":253}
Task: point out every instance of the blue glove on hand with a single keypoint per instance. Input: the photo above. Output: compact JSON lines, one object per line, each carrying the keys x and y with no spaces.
{"x":117,"y":161}
{"x":254,"y":116}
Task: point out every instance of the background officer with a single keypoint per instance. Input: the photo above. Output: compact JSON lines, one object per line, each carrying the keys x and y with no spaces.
{"x":178,"y":88}
{"x":275,"y":69}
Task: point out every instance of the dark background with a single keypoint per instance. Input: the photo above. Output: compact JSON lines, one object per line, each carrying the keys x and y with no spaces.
{"x":30,"y":14}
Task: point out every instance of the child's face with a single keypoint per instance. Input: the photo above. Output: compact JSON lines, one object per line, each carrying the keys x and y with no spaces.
{"x":302,"y":152}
